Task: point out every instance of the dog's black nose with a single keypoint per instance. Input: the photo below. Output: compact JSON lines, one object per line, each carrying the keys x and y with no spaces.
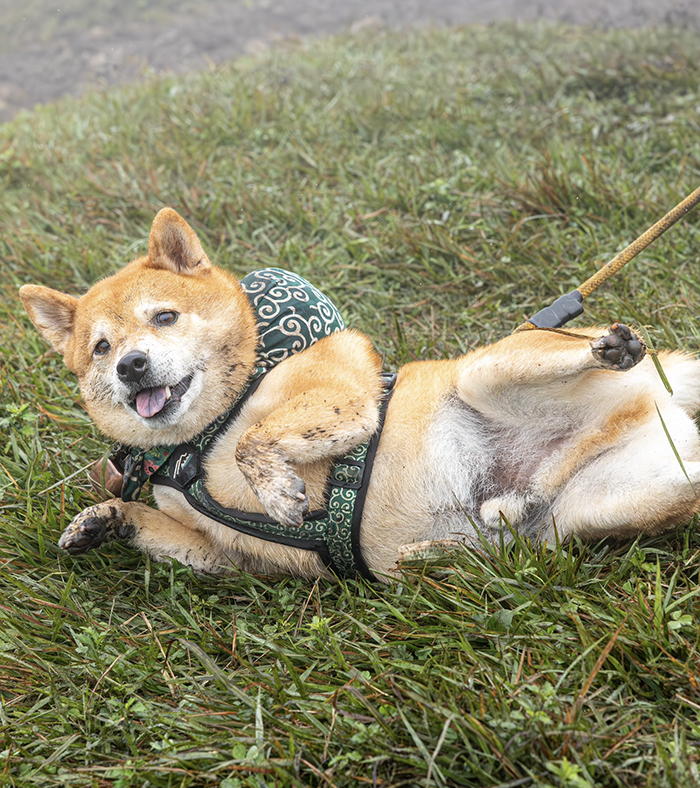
{"x":132,"y":367}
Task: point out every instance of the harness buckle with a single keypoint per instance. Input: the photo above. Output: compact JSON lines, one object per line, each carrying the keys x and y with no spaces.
{"x":348,"y":474}
{"x":388,"y":381}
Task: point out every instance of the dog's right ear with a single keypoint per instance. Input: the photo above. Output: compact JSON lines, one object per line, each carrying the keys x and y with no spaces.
{"x":173,"y":245}
{"x":53,"y":313}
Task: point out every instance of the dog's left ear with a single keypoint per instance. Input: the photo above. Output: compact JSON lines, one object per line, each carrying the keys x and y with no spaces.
{"x":173,"y":246}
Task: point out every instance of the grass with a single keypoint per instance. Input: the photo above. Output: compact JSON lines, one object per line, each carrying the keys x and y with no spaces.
{"x":440,"y":186}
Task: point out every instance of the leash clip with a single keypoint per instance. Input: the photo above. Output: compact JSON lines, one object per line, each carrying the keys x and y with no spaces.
{"x":565,"y":308}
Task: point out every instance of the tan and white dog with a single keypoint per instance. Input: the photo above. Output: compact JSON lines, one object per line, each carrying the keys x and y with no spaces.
{"x":548,"y":431}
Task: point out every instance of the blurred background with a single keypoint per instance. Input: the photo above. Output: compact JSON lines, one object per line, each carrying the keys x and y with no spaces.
{"x":50,"y":48}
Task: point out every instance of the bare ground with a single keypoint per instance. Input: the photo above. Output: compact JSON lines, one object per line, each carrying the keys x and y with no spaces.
{"x":46,"y":53}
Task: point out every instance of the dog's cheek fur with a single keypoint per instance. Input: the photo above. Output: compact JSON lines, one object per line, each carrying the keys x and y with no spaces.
{"x":110,"y":416}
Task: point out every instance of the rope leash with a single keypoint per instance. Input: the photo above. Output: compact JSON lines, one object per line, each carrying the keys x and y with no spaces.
{"x":570,"y":305}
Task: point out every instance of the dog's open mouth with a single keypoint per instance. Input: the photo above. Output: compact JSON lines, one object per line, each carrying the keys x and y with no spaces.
{"x":150,"y":402}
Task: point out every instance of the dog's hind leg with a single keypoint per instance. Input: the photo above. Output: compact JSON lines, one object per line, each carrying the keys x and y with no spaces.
{"x":683,"y":373}
{"x":597,"y":507}
{"x":542,"y":375}
{"x":638,"y":486}
{"x":429,"y":550}
{"x":150,"y":530}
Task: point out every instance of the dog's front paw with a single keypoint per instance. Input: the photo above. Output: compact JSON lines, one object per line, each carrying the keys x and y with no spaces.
{"x":619,"y":349}
{"x":284,"y":498}
{"x":94,"y":526}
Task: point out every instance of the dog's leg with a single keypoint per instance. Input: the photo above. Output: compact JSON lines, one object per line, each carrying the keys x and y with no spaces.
{"x":148,"y":529}
{"x":594,"y":508}
{"x":558,"y":402}
{"x":429,"y":550}
{"x":683,"y":373}
{"x":537,"y":372}
{"x":637,"y":484}
{"x":315,"y":406}
{"x":311,"y":427}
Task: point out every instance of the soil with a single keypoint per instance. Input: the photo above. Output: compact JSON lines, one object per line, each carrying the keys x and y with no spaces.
{"x":75,"y":58}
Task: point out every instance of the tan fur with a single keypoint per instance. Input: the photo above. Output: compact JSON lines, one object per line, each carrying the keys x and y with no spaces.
{"x":538,"y":430}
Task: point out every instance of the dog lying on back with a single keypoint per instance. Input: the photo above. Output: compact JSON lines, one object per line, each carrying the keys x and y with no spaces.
{"x":552,"y":433}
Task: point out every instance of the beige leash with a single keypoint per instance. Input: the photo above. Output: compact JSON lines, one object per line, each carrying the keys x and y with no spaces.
{"x":568,"y":306}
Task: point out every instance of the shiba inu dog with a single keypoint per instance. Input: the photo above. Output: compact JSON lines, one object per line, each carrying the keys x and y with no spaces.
{"x":554,"y":433}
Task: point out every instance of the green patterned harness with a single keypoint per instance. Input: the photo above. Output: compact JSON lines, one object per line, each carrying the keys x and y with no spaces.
{"x":291,"y":316}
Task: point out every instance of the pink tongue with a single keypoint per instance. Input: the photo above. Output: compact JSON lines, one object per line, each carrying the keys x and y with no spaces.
{"x":150,"y":401}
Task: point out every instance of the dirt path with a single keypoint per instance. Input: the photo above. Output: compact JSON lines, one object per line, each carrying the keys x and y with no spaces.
{"x":48,"y":53}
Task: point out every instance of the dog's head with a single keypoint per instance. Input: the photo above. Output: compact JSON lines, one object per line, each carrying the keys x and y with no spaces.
{"x":161,"y":348}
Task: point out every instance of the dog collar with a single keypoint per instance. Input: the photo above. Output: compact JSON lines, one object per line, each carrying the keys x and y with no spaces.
{"x":291,"y":316}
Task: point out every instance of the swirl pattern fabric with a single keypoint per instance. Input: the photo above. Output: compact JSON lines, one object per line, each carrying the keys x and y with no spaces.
{"x":292,"y":314}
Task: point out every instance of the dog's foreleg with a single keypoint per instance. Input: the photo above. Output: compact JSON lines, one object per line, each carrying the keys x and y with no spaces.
{"x":150,"y":530}
{"x":311,"y":427}
{"x":315,"y":406}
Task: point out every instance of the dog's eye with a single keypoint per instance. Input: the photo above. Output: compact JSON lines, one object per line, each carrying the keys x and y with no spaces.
{"x":102,"y":347}
{"x":165,"y":318}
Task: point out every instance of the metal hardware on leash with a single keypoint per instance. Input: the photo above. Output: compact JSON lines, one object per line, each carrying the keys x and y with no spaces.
{"x":570,"y":305}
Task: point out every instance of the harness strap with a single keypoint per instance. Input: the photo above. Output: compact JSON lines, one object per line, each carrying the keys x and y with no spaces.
{"x":361,"y":564}
{"x":333,"y":532}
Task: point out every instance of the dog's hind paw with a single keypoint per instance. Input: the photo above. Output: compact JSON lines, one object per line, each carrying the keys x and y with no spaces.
{"x":620,"y":349}
{"x":94,"y":526}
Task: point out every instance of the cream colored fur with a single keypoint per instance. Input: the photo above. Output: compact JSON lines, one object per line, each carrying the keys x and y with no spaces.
{"x":538,"y":430}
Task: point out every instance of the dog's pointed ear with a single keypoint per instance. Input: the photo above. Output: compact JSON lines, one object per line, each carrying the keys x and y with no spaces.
{"x":173,"y":245}
{"x":53,"y":313}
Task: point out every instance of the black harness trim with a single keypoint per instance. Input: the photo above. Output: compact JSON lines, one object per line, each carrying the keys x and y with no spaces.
{"x":184,"y":469}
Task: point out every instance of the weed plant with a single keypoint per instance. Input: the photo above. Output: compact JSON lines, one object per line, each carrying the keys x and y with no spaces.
{"x":440,"y":186}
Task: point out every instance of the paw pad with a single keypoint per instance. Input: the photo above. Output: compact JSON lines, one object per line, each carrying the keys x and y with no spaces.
{"x":83,"y":536}
{"x":93,"y":527}
{"x":620,"y":349}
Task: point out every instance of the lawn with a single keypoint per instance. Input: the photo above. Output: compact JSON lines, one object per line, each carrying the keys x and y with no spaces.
{"x":439,"y":186}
